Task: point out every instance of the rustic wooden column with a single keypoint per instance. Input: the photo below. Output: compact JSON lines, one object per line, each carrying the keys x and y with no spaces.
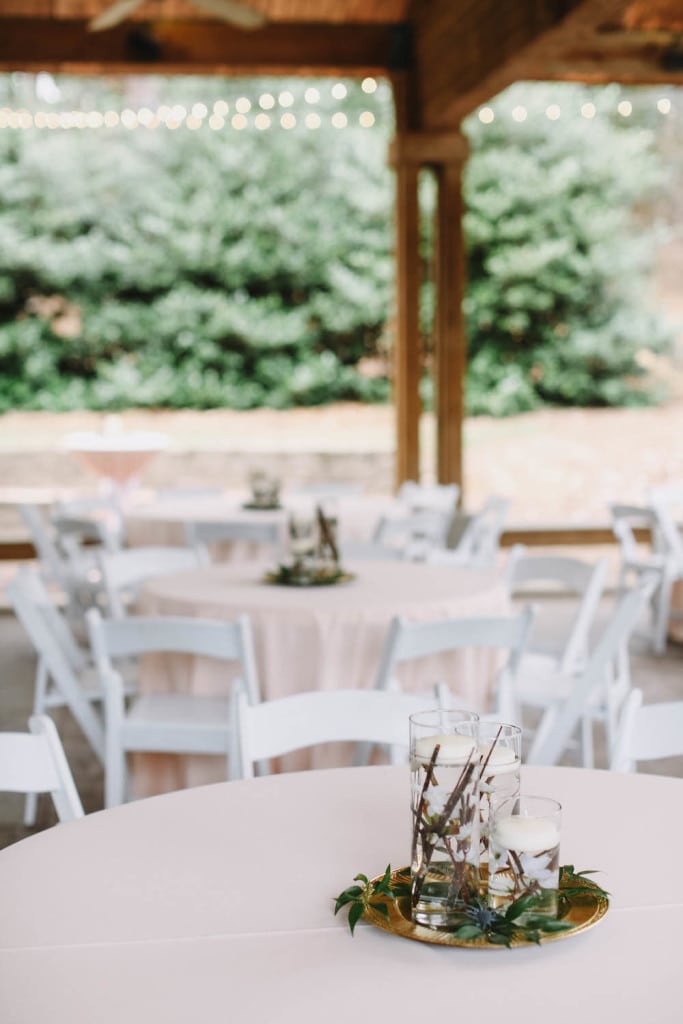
{"x":450,"y":341}
{"x":407,"y":356}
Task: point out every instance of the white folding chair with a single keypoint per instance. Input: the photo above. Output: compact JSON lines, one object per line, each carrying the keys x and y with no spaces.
{"x":123,"y":572}
{"x":201,"y":535}
{"x":414,"y":534}
{"x":361,"y":550}
{"x":542,"y":662}
{"x":277,"y":727}
{"x":661,"y":560}
{"x":647,"y":732}
{"x":410,"y":641}
{"x":166,"y":722}
{"x":65,"y":560}
{"x":424,"y":497}
{"x":34,"y":762}
{"x":602,"y":685}
{"x":479,"y":542}
{"x":65,"y":673}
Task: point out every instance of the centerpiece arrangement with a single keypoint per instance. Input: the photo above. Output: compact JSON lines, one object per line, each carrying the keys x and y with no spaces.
{"x":265,"y":491}
{"x":485,"y":868}
{"x":313,"y":553}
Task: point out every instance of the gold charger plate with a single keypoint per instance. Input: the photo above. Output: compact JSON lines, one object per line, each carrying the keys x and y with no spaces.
{"x":583,"y":912}
{"x":319,"y":581}
{"x":254,"y":506}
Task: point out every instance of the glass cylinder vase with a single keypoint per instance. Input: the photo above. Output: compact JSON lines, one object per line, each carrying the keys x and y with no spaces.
{"x":524,"y":854}
{"x":444,"y":761}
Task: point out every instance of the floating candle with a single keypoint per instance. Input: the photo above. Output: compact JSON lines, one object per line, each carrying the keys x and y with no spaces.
{"x":500,"y":759}
{"x":453,"y":748}
{"x":526,"y":834}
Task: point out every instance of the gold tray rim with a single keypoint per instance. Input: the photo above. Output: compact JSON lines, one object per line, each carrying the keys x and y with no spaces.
{"x":589,"y":909}
{"x":252,"y":506}
{"x":343,"y":577}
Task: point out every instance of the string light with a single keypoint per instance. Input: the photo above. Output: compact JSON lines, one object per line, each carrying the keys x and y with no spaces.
{"x":145,"y":116}
{"x":312,"y":121}
{"x":262,"y":121}
{"x":625,"y":108}
{"x":193,"y":123}
{"x":285,"y":99}
{"x":266,"y":101}
{"x":339,"y":120}
{"x":216,"y":122}
{"x":553,"y":112}
{"x":519,"y":114}
{"x":220,"y":108}
{"x":242,"y":105}
{"x":366,"y":119}
{"x":199,"y":111}
{"x":588,"y":110}
{"x":288,"y":121}
{"x":239,"y":121}
{"x":486,"y":115}
{"x":339,"y":91}
{"x":312,"y":95}
{"x":664,"y":105}
{"x":369,"y":85}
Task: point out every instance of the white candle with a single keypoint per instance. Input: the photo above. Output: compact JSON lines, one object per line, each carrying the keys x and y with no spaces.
{"x":500,"y":759}
{"x":526,"y":835}
{"x":454,"y":749}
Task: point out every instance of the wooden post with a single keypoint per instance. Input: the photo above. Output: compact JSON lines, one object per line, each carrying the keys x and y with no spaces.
{"x":407,"y":361}
{"x":450,"y":342}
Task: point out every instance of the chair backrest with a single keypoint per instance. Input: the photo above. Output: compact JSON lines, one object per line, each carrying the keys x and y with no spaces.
{"x":596,"y":673}
{"x":422,"y":497}
{"x":584,"y":579}
{"x":43,"y":537}
{"x":124,"y":571}
{"x":408,"y":641}
{"x":647,"y":732}
{"x":35,"y":762}
{"x":146,"y":634}
{"x":480,"y":539}
{"x":668,"y":533}
{"x":199,"y":535}
{"x":368,"y":550}
{"x":415,"y":532}
{"x":276,"y":727}
{"x":57,"y":649}
{"x":626,"y":518}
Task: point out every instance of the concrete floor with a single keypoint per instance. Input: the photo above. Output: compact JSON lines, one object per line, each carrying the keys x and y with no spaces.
{"x":660,"y":677}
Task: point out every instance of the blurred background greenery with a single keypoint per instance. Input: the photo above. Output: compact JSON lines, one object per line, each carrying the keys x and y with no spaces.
{"x":244,"y":268}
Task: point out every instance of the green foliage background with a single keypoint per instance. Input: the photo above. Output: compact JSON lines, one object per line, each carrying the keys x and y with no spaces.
{"x":246,"y":268}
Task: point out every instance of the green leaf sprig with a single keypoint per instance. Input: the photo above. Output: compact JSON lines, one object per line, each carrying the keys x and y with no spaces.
{"x":359,"y":897}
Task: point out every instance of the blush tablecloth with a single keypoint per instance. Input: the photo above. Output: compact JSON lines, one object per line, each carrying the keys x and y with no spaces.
{"x":316,"y":638}
{"x":215,"y":904}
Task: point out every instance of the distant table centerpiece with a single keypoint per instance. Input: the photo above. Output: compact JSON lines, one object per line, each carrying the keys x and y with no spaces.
{"x":313,"y":553}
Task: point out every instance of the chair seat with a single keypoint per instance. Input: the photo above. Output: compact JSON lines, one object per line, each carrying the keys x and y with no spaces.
{"x":541,"y":684}
{"x":177,"y":723}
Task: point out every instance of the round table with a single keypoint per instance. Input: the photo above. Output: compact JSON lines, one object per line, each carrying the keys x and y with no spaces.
{"x":161,"y":520}
{"x":215,"y":904}
{"x":315,"y":638}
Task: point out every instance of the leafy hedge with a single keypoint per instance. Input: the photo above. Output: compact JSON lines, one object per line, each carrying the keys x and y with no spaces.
{"x":245,"y":268}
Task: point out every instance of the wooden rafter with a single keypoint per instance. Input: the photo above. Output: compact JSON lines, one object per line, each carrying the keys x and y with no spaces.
{"x":196,"y":47}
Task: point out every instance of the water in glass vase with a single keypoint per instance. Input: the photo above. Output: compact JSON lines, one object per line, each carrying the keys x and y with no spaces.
{"x":524,"y":859}
{"x":500,"y":747}
{"x":445,"y":852}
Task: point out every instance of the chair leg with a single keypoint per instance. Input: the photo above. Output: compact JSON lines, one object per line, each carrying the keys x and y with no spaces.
{"x":661,"y":618}
{"x":31,"y":802}
{"x":587,"y":753}
{"x":545,"y":727}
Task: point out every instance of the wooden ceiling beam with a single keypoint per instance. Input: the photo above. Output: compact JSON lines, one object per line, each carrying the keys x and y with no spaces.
{"x":468,"y":52}
{"x":186,"y":47}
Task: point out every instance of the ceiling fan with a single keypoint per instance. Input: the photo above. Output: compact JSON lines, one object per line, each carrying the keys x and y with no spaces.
{"x":232,"y":11}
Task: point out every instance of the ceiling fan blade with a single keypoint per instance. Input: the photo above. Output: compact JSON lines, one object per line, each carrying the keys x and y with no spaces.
{"x":234,"y":12}
{"x":111,"y":16}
